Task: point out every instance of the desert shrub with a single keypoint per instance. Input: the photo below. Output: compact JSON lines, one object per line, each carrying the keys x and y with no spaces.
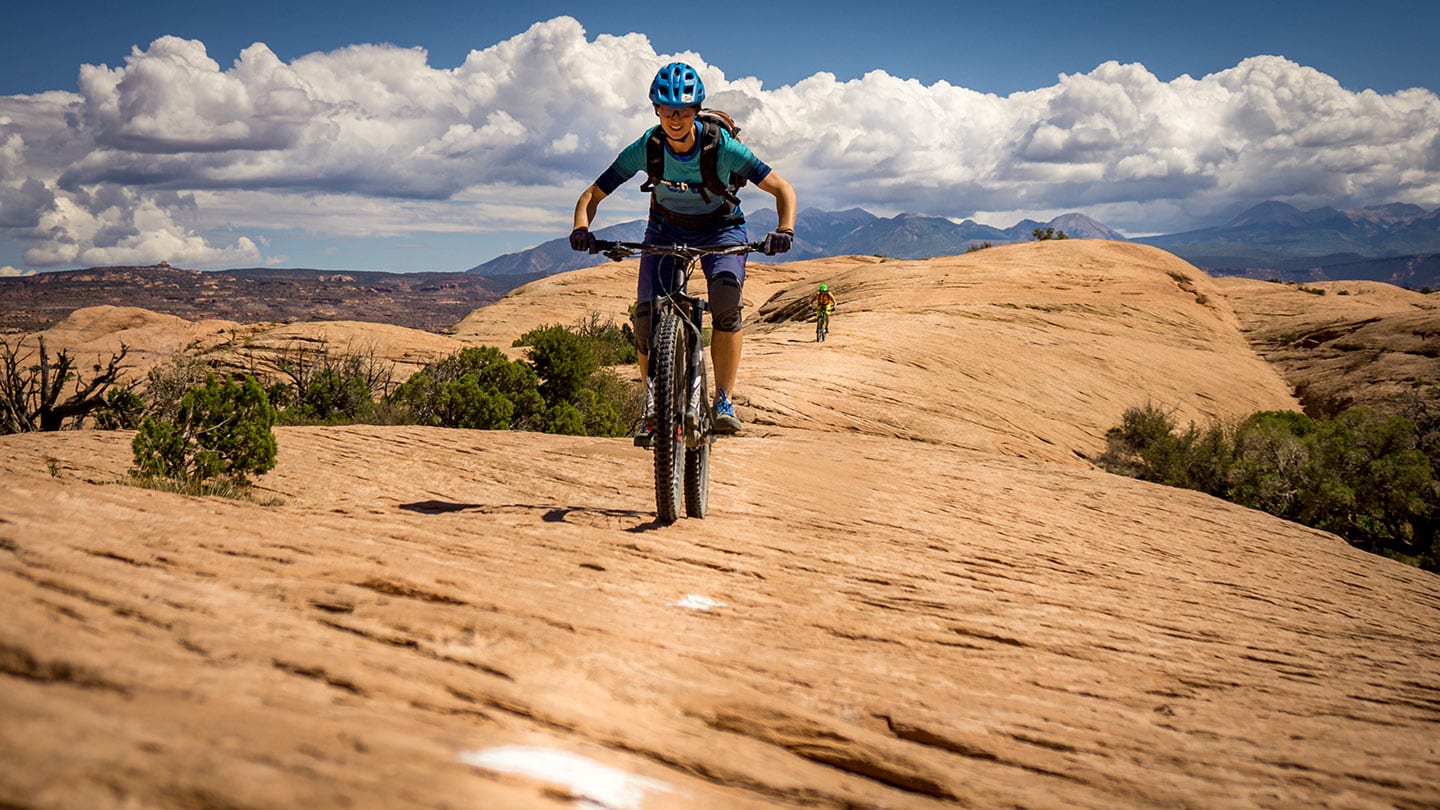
{"x":123,"y":410}
{"x":168,"y":383}
{"x":617,"y":404}
{"x":466,"y":404}
{"x":1148,"y":445}
{"x":1140,"y":445}
{"x":601,"y":408}
{"x":564,"y":385}
{"x":573,"y":365}
{"x":1046,"y":233}
{"x":563,"y":359}
{"x":331,"y":387}
{"x":614,"y":344}
{"x":565,"y":418}
{"x":1205,"y":456}
{"x":1273,"y":465}
{"x":477,"y":387}
{"x":1422,"y":408}
{"x":221,"y":433}
{"x":1376,"y":482}
{"x":332,"y":395}
{"x":1366,"y":476}
{"x":32,"y":385}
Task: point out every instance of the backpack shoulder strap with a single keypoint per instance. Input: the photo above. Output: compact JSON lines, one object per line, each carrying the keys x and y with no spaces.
{"x":654,"y":160}
{"x":710,"y":162}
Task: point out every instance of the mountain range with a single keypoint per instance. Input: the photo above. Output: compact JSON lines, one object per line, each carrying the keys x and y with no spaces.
{"x":821,"y":234}
{"x":1397,"y":243}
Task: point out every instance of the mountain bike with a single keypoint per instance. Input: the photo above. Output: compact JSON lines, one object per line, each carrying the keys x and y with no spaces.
{"x":682,"y":437}
{"x":822,"y":324}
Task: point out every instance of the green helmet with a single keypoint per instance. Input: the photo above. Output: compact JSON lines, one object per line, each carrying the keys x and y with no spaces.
{"x":823,"y":288}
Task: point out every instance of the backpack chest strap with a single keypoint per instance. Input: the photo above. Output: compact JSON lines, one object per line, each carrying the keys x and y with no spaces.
{"x":710,"y":182}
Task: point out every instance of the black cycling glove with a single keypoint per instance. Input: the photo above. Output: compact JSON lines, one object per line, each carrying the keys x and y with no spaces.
{"x":777,"y":242}
{"x":583,"y":240}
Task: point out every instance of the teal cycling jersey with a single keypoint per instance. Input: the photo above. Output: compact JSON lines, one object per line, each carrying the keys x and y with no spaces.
{"x":683,"y":190}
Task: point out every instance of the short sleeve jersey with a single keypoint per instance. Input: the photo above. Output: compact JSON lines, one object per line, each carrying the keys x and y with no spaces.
{"x":684,"y":171}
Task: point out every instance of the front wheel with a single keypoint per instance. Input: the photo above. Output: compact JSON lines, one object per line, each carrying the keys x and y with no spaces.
{"x":670,"y":357}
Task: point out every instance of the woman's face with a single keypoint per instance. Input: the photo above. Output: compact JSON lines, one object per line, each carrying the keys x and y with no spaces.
{"x":678,"y":122}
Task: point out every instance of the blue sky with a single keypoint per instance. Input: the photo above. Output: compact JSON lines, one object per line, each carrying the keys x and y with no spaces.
{"x":969,"y":102}
{"x":991,"y":47}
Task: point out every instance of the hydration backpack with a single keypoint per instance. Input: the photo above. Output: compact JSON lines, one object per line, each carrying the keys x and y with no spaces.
{"x":711,"y":122}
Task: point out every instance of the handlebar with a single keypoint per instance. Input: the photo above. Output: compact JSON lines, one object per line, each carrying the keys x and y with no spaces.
{"x":616,"y":251}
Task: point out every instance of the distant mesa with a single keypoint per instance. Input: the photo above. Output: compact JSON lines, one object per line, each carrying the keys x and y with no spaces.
{"x":433,"y":302}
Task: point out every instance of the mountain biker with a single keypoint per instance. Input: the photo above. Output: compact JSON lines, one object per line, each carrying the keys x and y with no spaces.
{"x":824,"y":303}
{"x":683,"y":211}
{"x":824,"y":300}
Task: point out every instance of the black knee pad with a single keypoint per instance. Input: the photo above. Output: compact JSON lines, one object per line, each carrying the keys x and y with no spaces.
{"x":641,"y":324}
{"x":725,"y":306}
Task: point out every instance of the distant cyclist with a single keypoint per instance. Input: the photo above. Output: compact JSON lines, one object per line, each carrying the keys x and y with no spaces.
{"x":686,"y":207}
{"x":824,"y":302}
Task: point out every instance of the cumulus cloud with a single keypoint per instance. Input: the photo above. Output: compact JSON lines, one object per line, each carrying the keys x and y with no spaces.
{"x":113,"y":225}
{"x":173,"y":156}
{"x":1116,"y":139}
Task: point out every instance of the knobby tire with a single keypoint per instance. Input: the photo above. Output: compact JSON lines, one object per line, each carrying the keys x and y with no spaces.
{"x":670,"y":356}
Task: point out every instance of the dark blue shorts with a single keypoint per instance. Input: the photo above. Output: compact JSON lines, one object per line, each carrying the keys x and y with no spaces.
{"x":656,"y":271}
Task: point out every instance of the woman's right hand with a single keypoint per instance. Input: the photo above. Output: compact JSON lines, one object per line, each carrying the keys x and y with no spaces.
{"x":583,"y":240}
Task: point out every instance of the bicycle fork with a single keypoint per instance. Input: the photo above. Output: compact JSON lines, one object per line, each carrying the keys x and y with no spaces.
{"x":697,"y":409}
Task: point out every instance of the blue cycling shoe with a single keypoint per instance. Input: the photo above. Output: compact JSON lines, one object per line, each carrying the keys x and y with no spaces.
{"x":725,"y":419}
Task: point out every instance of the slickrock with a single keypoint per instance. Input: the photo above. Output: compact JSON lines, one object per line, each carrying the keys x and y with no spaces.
{"x":911,"y":590}
{"x":1344,"y":343}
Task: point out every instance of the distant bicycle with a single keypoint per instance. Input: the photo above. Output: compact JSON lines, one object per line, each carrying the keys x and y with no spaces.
{"x":824,"y":302}
{"x":682,"y":438}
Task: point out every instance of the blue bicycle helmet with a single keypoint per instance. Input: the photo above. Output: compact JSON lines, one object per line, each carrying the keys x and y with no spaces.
{"x":677,"y":85}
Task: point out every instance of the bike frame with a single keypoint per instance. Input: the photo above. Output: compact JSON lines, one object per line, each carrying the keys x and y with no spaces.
{"x":689,"y":308}
{"x":682,"y":443}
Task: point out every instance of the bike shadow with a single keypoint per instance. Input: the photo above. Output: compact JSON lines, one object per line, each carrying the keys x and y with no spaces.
{"x":593,"y":517}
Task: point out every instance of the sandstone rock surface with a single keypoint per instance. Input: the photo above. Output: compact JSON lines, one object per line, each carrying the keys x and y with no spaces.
{"x":95,"y":334}
{"x":1344,"y":343}
{"x":912,"y":590}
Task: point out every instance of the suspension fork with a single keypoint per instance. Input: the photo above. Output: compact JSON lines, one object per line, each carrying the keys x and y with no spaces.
{"x":696,"y":408}
{"x":691,"y":311}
